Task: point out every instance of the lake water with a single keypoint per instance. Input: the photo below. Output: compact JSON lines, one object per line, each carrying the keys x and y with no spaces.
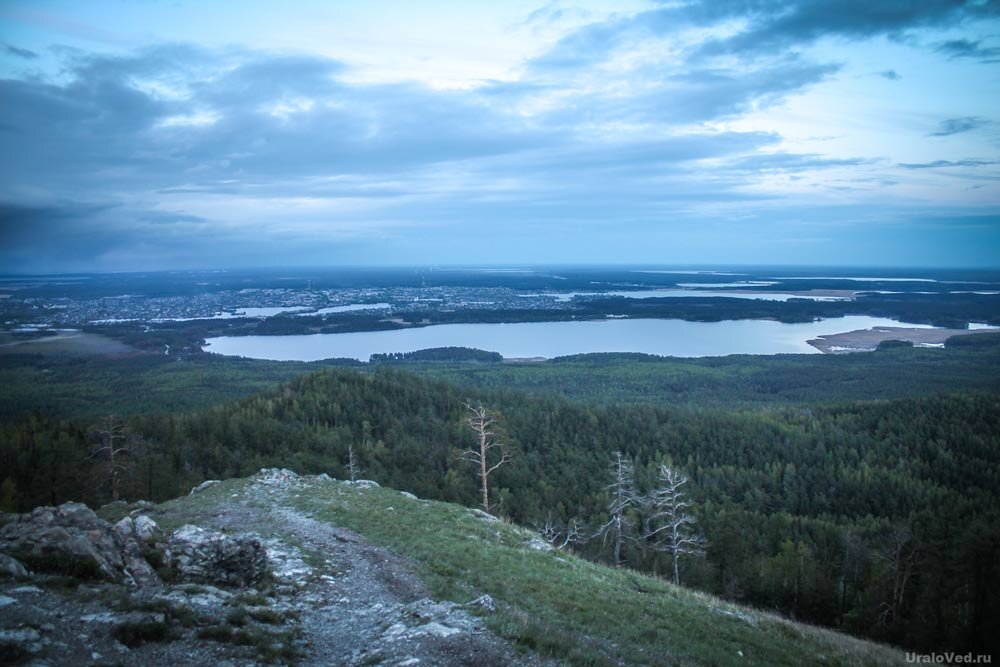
{"x":676,"y":338}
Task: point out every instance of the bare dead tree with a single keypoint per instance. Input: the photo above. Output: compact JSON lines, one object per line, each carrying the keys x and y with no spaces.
{"x":114,"y":445}
{"x":353,"y":469}
{"x":671,"y":526}
{"x":900,"y":558}
{"x":622,"y":498}
{"x":481,"y":423}
{"x":561,"y":536}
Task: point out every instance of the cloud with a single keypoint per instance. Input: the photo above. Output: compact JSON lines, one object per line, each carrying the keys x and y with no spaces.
{"x":940,"y":164}
{"x":20,"y":53}
{"x":952,"y":126}
{"x":971,"y":49}
{"x":775,"y":26}
{"x":890,"y":74}
{"x":755,"y":28}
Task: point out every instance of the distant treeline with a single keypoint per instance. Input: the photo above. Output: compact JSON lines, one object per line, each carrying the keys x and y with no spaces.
{"x":459,"y":354}
{"x":93,"y":386}
{"x":880,"y":518}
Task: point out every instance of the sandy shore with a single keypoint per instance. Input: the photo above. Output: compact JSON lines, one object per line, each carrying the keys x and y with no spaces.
{"x":866,"y":340}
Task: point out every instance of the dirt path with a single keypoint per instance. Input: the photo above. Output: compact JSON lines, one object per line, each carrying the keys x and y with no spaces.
{"x":357,"y":603}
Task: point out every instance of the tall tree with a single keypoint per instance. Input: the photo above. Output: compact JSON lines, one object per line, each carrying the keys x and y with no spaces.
{"x":671,"y":526}
{"x":114,"y":445}
{"x":481,"y":423}
{"x":623,"y":497}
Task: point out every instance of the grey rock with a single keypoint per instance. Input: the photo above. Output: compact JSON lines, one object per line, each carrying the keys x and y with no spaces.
{"x":22,"y":640}
{"x":140,"y":528}
{"x":484,"y":602}
{"x":485,"y":516}
{"x":276,"y":477}
{"x":407,"y":494}
{"x":71,"y":539}
{"x":207,"y":484}
{"x":12,"y":568}
{"x":202,"y":555}
{"x":538,"y":544}
{"x":7,"y":600}
{"x":364,"y":484}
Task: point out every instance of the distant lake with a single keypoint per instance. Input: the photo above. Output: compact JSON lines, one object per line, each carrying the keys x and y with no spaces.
{"x":676,"y":338}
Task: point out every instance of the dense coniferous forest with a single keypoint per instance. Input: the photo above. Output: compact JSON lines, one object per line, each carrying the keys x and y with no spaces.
{"x":880,"y":518}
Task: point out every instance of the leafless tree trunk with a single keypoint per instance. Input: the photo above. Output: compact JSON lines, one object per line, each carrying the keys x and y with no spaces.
{"x":352,"y":465}
{"x":481,"y":422}
{"x":676,"y":533}
{"x":562,"y":536}
{"x":900,"y":558}
{"x":622,"y":497}
{"x":115,"y":443}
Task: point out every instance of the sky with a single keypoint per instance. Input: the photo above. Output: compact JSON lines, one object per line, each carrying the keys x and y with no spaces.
{"x":140,"y":135}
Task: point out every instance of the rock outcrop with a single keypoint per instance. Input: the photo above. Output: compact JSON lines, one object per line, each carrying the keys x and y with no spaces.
{"x":201,"y":555}
{"x":71,"y":539}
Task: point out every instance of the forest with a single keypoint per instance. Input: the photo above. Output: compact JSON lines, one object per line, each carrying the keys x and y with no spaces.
{"x":877,"y":517}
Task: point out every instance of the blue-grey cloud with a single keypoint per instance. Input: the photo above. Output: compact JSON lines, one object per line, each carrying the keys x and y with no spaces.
{"x":772,"y":27}
{"x":890,"y":74}
{"x":940,"y":164}
{"x":27,"y":54}
{"x":971,"y":49}
{"x":952,"y":126}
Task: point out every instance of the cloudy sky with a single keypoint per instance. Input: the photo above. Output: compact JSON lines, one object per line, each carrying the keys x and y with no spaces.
{"x":137,"y":134}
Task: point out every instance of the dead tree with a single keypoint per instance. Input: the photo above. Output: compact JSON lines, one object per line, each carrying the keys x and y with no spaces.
{"x":671,"y":527}
{"x":622,"y":498}
{"x":114,"y":445}
{"x":561,"y":536}
{"x":481,"y":423}
{"x":899,"y":558}
{"x":353,"y":469}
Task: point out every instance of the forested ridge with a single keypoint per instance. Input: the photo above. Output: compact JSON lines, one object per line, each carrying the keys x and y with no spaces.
{"x":880,"y":518}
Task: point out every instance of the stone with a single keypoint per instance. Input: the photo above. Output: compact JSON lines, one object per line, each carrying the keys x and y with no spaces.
{"x":538,"y":544}
{"x":71,"y":539}
{"x":6,"y":600}
{"x":12,"y":568}
{"x":207,"y":484}
{"x":202,"y":555}
{"x":484,"y":602}
{"x":21,"y":641}
{"x":140,"y":528}
{"x":485,"y":516}
{"x":364,"y":484}
{"x":407,"y":494}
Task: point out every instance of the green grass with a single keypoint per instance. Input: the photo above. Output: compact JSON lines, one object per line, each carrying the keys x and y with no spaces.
{"x":575,"y":611}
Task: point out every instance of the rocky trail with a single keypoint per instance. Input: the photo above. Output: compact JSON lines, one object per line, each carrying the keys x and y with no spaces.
{"x":248,"y":579}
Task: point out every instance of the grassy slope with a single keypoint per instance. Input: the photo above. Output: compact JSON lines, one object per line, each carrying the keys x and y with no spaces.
{"x":557,"y":604}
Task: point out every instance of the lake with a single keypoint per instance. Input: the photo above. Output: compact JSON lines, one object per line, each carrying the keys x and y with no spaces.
{"x":676,"y":338}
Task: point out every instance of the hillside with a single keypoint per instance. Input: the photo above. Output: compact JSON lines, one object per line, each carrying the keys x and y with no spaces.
{"x":368,"y":575}
{"x":813,"y":511}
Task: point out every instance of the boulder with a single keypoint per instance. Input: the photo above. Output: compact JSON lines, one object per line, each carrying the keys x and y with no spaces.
{"x":207,"y":484}
{"x":276,"y":477}
{"x":207,"y":556}
{"x":71,"y":539}
{"x":485,"y":516}
{"x":141,"y":528}
{"x":12,"y":568}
